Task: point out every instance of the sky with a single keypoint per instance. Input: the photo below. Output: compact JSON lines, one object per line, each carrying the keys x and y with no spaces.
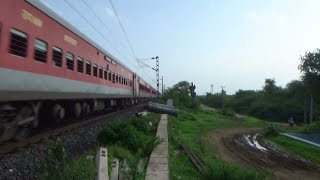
{"x":236,"y":44}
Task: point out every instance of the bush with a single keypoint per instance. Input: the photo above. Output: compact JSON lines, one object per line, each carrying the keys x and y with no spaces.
{"x":52,"y":166}
{"x":227,"y":112}
{"x":271,"y":130}
{"x":136,"y":135}
{"x":312,"y":128}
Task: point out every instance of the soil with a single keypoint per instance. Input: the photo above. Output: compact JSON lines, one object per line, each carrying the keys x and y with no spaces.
{"x":246,"y":147}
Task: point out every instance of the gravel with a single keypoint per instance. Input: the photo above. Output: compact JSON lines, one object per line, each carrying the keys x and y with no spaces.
{"x":24,"y":163}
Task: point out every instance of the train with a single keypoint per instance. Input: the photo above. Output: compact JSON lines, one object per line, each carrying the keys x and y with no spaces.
{"x":49,"y":71}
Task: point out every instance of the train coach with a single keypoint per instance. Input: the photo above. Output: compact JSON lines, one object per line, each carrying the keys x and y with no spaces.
{"x":49,"y":70}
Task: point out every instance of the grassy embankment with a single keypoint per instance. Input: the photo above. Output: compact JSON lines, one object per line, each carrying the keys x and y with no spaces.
{"x":192,"y":127}
{"x":131,"y":141}
{"x":305,"y":150}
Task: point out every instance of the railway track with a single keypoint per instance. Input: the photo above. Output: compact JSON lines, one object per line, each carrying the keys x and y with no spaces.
{"x":15,"y":146}
{"x":194,"y":158}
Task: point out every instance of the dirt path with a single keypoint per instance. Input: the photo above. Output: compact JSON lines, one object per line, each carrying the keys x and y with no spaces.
{"x":246,"y":147}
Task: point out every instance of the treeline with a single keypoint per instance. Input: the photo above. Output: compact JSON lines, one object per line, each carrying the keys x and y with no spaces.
{"x":272,"y":103}
{"x":180,"y":94}
{"x":297,"y":99}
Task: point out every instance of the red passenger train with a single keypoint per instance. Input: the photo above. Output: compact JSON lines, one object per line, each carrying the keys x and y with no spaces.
{"x":48,"y":67}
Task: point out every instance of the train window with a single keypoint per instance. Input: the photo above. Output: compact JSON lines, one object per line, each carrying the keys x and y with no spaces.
{"x":105,"y":73}
{"x":57,"y":56}
{"x":40,"y":50}
{"x":18,"y":43}
{"x":80,"y":64}
{"x":109,"y":75}
{"x":70,"y":61}
{"x":95,"y":70}
{"x":88,"y":67}
{"x":100,"y":72}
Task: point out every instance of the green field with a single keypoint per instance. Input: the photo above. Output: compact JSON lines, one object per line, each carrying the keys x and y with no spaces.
{"x":191,"y":127}
{"x":307,"y":151}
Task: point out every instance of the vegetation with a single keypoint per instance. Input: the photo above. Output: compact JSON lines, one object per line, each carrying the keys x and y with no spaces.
{"x":272,"y":103}
{"x":192,"y":127}
{"x":56,"y":166}
{"x":130,"y":141}
{"x":307,"y":151}
{"x":180,"y":95}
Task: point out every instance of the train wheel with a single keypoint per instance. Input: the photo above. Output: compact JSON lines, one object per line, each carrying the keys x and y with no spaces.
{"x":22,"y":133}
{"x":76,"y":110}
{"x":85,"y":108}
{"x":7,"y":131}
{"x":58,"y":113}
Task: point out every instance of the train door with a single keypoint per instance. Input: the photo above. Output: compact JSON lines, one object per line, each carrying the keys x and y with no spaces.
{"x":135,"y":85}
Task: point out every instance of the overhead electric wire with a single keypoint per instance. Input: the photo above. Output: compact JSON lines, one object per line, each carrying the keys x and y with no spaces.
{"x":122,"y":27}
{"x":147,"y":75}
{"x":98,"y":31}
{"x":86,"y":4}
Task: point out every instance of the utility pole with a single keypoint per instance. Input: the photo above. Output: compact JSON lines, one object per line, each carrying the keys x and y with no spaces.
{"x":222,"y":93}
{"x":157,"y":70}
{"x":311,"y":109}
{"x":211,"y":91}
{"x":305,"y":110}
{"x":162,"y":83}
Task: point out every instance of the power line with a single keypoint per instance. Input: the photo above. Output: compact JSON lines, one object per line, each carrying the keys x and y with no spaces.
{"x":97,"y":31}
{"x":84,"y":2}
{"x":122,"y":27}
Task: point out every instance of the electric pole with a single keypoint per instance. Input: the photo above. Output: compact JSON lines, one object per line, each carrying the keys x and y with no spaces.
{"x":162,"y":83}
{"x":211,"y":91}
{"x":311,"y":109}
{"x":222,"y":94}
{"x":157,"y":70}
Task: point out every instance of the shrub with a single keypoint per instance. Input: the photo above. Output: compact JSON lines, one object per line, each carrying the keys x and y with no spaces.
{"x":271,"y":130}
{"x":52,"y":166}
{"x":136,"y":135}
{"x":312,"y":128}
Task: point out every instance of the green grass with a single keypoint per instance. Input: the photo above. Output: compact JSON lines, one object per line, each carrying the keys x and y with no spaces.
{"x":130,"y":141}
{"x":307,"y":151}
{"x":192,"y":127}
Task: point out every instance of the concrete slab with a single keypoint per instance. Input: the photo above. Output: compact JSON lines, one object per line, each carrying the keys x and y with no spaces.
{"x":158,"y":175}
{"x":159,"y":160}
{"x":158,"y":167}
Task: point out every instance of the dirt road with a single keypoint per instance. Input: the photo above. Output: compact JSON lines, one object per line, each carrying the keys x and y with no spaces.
{"x":246,"y":147}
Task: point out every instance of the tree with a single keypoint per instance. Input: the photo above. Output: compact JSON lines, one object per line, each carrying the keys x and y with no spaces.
{"x":181,"y":87}
{"x":270,"y":86}
{"x":310,"y":69}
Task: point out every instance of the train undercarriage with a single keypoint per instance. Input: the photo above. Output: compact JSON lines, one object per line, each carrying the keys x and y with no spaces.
{"x":18,"y":119}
